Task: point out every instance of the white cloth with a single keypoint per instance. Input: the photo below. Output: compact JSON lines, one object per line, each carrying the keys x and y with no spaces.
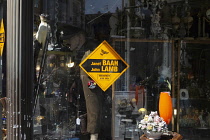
{"x":41,"y":34}
{"x":41,"y":37}
{"x":94,"y":137}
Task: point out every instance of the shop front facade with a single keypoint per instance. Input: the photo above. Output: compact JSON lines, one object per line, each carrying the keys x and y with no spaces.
{"x":55,"y":86}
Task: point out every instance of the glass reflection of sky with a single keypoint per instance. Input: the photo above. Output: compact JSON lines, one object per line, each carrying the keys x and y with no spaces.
{"x":104,"y":6}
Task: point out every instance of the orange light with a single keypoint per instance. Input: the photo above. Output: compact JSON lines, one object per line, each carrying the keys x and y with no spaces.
{"x":165,"y":106}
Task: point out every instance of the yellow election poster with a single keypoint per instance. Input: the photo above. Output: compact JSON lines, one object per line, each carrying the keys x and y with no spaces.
{"x":104,"y":65}
{"x":2,"y":37}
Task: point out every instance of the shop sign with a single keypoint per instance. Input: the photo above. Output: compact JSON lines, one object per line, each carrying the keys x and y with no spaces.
{"x":2,"y":37}
{"x":104,"y":65}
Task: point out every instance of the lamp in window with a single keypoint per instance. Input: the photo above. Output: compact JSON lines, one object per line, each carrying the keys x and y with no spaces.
{"x":62,"y":64}
{"x":70,"y":63}
{"x":38,"y":67}
{"x":51,"y":65}
{"x":165,"y":106}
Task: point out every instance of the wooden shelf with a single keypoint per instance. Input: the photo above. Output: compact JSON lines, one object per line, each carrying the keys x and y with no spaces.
{"x":176,"y":136}
{"x":195,"y":41}
{"x":140,"y":40}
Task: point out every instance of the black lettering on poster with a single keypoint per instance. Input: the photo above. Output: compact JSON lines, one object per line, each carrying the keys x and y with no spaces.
{"x":104,"y":65}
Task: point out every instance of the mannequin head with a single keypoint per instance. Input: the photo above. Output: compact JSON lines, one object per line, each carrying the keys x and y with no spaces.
{"x":44,"y":17}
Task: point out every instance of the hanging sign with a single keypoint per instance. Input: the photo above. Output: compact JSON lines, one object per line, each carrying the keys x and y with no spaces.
{"x":2,"y":37}
{"x":104,"y":65}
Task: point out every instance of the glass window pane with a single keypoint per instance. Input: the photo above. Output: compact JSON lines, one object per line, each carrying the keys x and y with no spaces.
{"x":194,"y":94}
{"x":137,"y":91}
{"x":157,"y":40}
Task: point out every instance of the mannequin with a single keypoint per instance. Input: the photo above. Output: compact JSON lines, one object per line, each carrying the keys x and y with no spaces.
{"x":39,"y":44}
{"x":40,"y":38}
{"x":43,"y":29}
{"x":93,"y":99}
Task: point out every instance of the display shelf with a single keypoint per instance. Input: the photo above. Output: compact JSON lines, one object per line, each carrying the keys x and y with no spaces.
{"x":140,"y":40}
{"x":196,"y":41}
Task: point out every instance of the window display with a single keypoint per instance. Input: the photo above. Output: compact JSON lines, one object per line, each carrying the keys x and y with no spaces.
{"x":46,"y":95}
{"x":194,"y":94}
{"x":150,"y":70}
{"x":66,"y":106}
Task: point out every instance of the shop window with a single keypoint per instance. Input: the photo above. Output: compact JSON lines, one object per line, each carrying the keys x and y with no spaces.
{"x":194,"y":89}
{"x":139,"y":88}
{"x":164,"y":42}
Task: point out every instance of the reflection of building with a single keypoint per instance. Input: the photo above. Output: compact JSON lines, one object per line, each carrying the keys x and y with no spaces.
{"x":97,"y":25}
{"x":102,"y":6}
{"x":62,"y":11}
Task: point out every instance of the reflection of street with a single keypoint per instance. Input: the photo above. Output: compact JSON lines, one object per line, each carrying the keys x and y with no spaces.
{"x":102,"y":6}
{"x":55,"y":115}
{"x":56,"y":118}
{"x":127,"y":115}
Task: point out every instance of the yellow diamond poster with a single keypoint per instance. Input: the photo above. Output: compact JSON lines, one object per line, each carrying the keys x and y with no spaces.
{"x":2,"y":37}
{"x":104,"y":65}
